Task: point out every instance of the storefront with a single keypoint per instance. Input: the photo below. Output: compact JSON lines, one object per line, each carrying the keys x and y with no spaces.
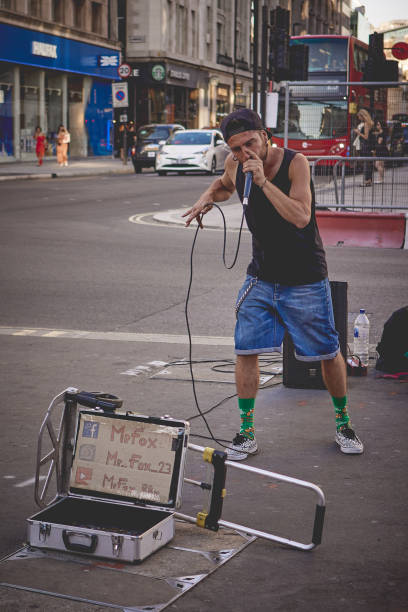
{"x":222,"y":102}
{"x":163,"y":92}
{"x":47,"y":81}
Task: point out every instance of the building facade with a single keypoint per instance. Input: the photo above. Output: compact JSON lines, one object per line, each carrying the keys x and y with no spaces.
{"x":186,"y":61}
{"x":58,"y":59}
{"x":320,"y":16}
{"x":190,"y":59}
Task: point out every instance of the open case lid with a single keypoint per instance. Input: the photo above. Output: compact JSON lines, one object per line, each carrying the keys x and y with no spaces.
{"x":129,"y":458}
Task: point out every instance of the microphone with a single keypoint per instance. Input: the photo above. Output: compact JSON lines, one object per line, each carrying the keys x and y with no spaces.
{"x":247,"y":187}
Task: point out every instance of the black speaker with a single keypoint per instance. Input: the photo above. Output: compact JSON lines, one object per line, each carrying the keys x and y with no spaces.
{"x":308,"y":374}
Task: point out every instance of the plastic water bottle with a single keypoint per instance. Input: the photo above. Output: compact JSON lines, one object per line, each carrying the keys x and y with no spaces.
{"x":361,"y":337}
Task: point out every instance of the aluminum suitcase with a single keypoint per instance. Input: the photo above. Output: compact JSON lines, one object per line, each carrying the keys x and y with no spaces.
{"x":125,"y":480}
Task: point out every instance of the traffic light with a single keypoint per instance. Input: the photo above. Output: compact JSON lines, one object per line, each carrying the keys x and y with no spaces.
{"x":374,"y":66}
{"x":390,"y":70}
{"x":377,"y":68}
{"x":298,"y":62}
{"x":279,"y":44}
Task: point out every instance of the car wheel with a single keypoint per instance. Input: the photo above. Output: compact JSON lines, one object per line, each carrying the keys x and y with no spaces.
{"x":138,"y":169}
{"x":161,"y":173}
{"x":213,"y":166}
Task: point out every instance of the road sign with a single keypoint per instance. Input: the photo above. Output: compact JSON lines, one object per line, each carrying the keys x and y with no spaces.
{"x":124,"y":71}
{"x":400,"y":50}
{"x":120,"y":95}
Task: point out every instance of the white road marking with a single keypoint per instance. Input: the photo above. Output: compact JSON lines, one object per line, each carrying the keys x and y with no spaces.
{"x":76,"y":334}
{"x":54,"y":334}
{"x":141,"y":219}
{"x":28,"y":482}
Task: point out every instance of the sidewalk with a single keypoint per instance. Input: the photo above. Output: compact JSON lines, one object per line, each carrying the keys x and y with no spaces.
{"x":77,"y":167}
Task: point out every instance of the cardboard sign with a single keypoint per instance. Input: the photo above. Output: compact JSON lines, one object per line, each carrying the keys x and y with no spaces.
{"x":124,"y":457}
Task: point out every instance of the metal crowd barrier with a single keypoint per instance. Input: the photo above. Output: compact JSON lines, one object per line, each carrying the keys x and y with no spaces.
{"x":360,"y":183}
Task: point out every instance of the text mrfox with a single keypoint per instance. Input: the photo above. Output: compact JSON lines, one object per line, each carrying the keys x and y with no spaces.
{"x":122,"y":435}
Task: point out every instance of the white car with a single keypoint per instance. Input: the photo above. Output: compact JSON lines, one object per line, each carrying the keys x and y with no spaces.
{"x":191,"y":150}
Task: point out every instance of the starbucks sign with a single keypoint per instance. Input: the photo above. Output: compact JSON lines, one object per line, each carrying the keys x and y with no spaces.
{"x":158,"y":72}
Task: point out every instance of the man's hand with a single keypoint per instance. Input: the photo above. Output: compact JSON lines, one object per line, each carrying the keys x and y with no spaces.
{"x":197,"y":212}
{"x":255,"y":165}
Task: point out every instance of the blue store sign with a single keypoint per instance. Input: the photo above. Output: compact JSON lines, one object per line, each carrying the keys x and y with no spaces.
{"x":33,"y":48}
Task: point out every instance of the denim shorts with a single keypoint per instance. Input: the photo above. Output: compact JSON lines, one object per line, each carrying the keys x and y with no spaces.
{"x":305,"y":311}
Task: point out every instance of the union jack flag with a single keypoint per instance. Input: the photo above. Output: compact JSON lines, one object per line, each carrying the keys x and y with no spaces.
{"x":109,"y":60}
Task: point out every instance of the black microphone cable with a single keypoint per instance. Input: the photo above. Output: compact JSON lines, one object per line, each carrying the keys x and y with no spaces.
{"x":190,"y":342}
{"x":247,"y":189}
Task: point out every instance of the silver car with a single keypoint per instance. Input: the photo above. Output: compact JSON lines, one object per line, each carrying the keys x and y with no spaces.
{"x":192,"y":150}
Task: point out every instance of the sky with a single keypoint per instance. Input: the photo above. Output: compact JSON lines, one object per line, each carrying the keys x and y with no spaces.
{"x":380,"y":11}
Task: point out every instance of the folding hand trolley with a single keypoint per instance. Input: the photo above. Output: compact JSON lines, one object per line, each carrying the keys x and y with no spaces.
{"x":119,"y":478}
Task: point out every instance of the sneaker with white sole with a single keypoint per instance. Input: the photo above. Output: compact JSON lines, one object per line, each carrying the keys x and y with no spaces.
{"x":241,"y":447}
{"x":349,"y":442}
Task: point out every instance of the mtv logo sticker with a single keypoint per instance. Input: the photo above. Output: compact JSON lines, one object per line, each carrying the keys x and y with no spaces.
{"x":90,"y":430}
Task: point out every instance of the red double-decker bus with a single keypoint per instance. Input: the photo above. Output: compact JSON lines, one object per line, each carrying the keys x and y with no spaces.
{"x":322,"y":118}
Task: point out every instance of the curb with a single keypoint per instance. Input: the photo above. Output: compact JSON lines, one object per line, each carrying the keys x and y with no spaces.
{"x":107,"y":172}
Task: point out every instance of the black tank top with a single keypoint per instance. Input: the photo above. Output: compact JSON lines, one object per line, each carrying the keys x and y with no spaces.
{"x":281,"y":252}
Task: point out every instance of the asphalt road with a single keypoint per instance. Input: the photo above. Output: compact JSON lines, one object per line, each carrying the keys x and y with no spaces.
{"x":71,"y":262}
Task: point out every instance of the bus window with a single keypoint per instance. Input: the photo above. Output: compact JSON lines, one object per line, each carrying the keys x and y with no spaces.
{"x":325,"y":55}
{"x":314,"y":120}
{"x":360,"y":58}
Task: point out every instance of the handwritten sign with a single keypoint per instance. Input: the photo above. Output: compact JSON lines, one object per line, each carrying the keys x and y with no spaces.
{"x":124,"y":457}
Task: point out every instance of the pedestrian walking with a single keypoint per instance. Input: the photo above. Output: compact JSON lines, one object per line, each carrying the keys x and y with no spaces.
{"x":63,"y":140}
{"x":40,"y":145}
{"x":286,"y":287}
{"x":123,"y":141}
{"x":365,"y":143}
{"x":381,"y":149}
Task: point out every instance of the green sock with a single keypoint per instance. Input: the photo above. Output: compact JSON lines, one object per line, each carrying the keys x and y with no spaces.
{"x":342,"y":417}
{"x":247,"y":408}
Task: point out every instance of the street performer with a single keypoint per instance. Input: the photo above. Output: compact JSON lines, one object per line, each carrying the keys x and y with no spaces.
{"x":286,"y":287}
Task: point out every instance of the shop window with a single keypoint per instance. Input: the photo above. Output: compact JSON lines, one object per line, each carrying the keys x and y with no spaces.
{"x":53,"y":107}
{"x":180,"y":106}
{"x":222,"y":102}
{"x":157,"y":106}
{"x":79,"y":14}
{"x":193,"y":108}
{"x":96,"y":11}
{"x":29,"y":101}
{"x":75,"y":89}
{"x":57,"y":11}
{"x":76,"y":126}
{"x":6,"y":113}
